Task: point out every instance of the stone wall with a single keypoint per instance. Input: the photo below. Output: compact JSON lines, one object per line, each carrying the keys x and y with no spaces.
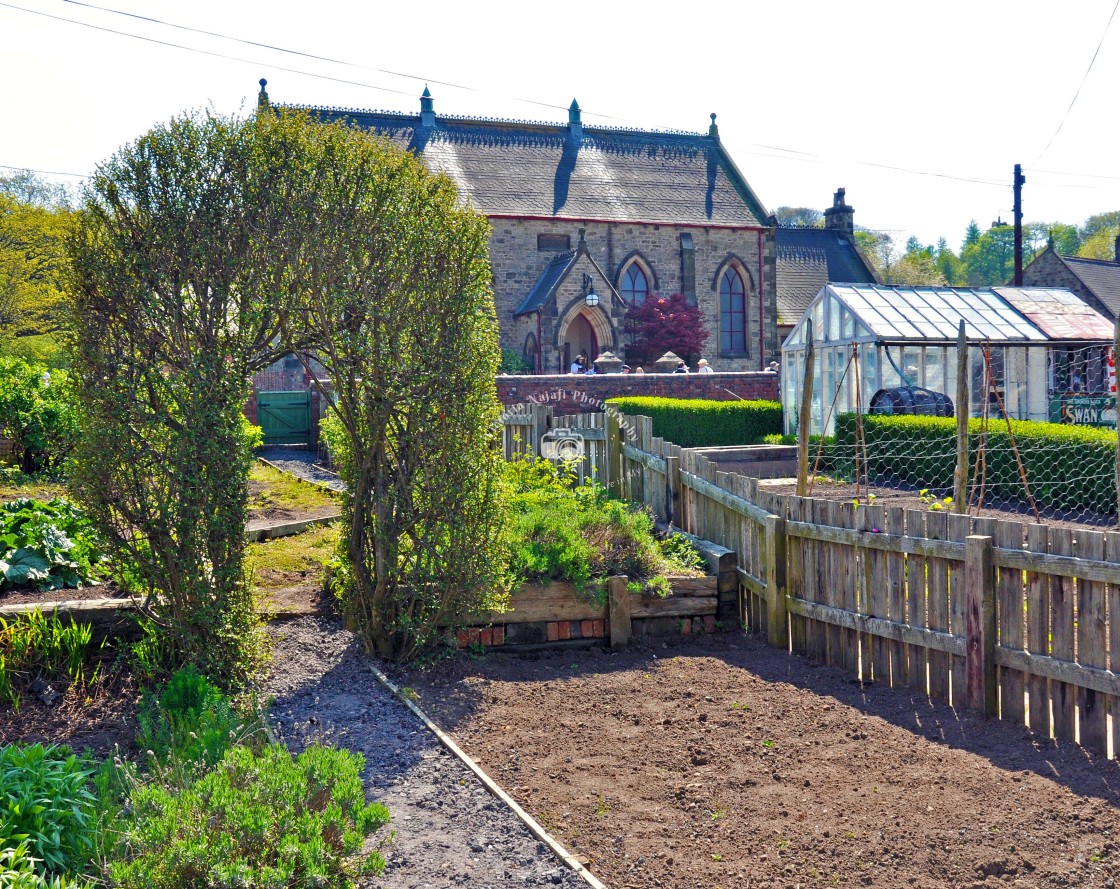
{"x":571,"y":394}
{"x":517,"y":264}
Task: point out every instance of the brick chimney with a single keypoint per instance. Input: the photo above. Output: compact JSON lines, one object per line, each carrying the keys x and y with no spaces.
{"x":427,"y":109}
{"x":840,"y":216}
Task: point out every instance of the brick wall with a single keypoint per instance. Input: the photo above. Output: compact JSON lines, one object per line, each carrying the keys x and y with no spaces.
{"x":569,"y":394}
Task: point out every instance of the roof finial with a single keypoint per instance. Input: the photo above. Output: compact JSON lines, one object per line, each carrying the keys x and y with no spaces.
{"x":427,"y":109}
{"x":575,"y":123}
{"x":262,"y":96}
{"x":713,"y":130}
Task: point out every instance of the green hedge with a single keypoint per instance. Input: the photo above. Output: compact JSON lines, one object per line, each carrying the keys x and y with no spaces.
{"x":696,"y":422}
{"x":1068,"y":467}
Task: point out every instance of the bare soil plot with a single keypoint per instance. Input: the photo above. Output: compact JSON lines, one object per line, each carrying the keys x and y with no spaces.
{"x":723,"y":762}
{"x":36,"y":490}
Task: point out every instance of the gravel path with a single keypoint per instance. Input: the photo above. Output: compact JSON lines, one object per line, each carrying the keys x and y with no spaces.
{"x":449,"y":830}
{"x":303,"y":463}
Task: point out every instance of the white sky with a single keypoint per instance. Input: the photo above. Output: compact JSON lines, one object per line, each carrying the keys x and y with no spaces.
{"x":963,"y":89}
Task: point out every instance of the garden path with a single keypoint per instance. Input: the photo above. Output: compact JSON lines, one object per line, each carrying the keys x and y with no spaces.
{"x":449,"y":830}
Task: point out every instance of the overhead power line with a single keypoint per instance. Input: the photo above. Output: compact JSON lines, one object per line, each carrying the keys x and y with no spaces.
{"x":1073,"y":101}
{"x":42,"y":172}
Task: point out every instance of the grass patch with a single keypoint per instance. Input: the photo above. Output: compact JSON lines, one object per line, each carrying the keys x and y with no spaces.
{"x":291,"y":561}
{"x":272,"y":490}
{"x":14,"y":484}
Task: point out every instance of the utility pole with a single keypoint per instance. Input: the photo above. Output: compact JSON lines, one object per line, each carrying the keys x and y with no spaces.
{"x":1018,"y":187}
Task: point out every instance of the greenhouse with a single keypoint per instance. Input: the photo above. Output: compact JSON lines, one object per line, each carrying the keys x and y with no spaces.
{"x":1048,"y":351}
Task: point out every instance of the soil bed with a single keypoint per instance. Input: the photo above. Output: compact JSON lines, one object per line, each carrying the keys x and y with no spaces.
{"x":21,"y":596}
{"x":721,"y":761}
{"x":275,"y":496}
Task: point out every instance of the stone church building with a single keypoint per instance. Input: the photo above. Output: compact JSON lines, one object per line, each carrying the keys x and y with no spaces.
{"x":586,"y":221}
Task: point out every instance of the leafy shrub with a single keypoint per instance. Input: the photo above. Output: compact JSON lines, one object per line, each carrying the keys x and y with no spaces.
{"x":580,"y":534}
{"x":697,"y":422}
{"x":513,"y":362}
{"x":45,"y":802}
{"x":1048,"y":452}
{"x":47,"y":546}
{"x":258,"y":819}
{"x":190,"y":723}
{"x":37,"y":412}
{"x":35,"y":645}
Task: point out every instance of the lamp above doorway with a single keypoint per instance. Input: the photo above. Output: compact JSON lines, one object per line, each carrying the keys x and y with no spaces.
{"x":590,"y":296}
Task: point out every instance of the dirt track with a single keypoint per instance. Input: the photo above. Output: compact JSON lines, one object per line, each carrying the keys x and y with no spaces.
{"x":724,"y":762}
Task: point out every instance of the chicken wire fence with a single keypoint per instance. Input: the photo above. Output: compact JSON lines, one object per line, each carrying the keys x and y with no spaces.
{"x":902,"y":443}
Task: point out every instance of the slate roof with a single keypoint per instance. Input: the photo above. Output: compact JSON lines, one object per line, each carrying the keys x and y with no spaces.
{"x":809,"y":258}
{"x":519,"y":168}
{"x":547,"y":282}
{"x":1100,"y":276}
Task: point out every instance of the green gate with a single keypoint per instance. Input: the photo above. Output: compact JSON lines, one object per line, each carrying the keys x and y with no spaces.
{"x":285,"y":417}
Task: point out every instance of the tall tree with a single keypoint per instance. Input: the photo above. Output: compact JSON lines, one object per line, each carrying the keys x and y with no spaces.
{"x":179,"y":269}
{"x":989,"y":260}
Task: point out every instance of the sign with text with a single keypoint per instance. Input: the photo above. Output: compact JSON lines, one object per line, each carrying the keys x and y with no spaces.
{"x":1083,"y":410}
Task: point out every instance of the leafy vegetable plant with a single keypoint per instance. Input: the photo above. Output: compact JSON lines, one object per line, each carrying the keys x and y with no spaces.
{"x":46,"y":546}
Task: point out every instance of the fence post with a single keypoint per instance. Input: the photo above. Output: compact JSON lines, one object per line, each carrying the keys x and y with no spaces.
{"x":1116,"y":395}
{"x":980,"y":625}
{"x":618,"y":612}
{"x":673,"y":491}
{"x":776,"y":619}
{"x":960,"y":474}
{"x":614,"y":453}
{"x":805,"y":414}
{"x":542,"y":414}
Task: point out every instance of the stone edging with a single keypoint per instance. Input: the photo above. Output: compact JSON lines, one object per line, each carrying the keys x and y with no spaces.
{"x":534,"y":827}
{"x":288,"y":529}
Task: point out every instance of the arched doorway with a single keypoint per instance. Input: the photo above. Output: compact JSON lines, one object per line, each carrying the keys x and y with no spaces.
{"x":579,"y":337}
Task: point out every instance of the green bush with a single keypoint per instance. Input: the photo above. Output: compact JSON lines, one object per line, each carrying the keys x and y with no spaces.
{"x":48,"y":546}
{"x":579,"y":534}
{"x":697,"y":423}
{"x":513,"y":362}
{"x":37,"y":412}
{"x":45,"y":802}
{"x":190,"y":724}
{"x":1068,"y":467}
{"x":264,"y":819}
{"x":35,"y":645}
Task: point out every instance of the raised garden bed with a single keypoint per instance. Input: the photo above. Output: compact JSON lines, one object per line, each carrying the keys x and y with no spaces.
{"x":277,"y":498}
{"x":558,"y":612}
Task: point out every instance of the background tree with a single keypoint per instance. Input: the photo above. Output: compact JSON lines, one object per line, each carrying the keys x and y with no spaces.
{"x":1098,"y":236}
{"x":34,"y":223}
{"x":665,"y":324}
{"x":804,"y":216}
{"x":178,"y":273}
{"x":989,"y":259}
{"x":396,"y":289}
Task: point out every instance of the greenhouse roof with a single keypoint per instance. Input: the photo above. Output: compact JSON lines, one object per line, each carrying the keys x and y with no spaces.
{"x":1060,"y":314}
{"x":934,"y":313}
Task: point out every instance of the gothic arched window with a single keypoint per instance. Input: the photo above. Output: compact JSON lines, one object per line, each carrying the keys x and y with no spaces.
{"x":635,"y":285}
{"x":732,"y":314}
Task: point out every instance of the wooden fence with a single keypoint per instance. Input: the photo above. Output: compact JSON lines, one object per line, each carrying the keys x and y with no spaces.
{"x":1021,"y":621}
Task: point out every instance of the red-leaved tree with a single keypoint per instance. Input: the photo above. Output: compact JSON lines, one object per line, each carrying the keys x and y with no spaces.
{"x":665,"y":324}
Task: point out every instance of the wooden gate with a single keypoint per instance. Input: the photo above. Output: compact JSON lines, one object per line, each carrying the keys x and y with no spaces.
{"x":285,"y":417}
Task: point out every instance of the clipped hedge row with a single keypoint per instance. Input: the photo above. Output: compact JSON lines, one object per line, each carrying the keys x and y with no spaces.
{"x":1068,"y":467}
{"x":697,"y":422}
